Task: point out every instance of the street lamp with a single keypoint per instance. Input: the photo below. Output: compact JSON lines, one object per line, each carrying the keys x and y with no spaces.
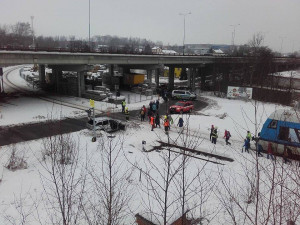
{"x":233,"y":33}
{"x":33,"y":44}
{"x":90,"y":23}
{"x":281,"y":44}
{"x":184,"y":15}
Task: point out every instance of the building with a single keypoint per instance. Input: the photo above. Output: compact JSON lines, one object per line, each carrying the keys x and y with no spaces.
{"x":156,"y":50}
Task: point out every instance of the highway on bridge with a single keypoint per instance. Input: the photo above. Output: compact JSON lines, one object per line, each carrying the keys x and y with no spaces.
{"x":68,"y":58}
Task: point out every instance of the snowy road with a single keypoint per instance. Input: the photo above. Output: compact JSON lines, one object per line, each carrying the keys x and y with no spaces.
{"x":27,"y":117}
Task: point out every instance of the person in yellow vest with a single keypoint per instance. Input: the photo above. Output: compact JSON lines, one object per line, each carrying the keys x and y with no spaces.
{"x":126,"y":113}
{"x":123,"y":106}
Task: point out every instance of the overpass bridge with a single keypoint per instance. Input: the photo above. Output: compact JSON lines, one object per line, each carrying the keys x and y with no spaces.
{"x":68,"y":58}
{"x":68,"y":61}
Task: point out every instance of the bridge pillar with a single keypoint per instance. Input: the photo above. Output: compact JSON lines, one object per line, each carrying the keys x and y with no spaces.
{"x":171,"y":77}
{"x":149,"y":76}
{"x":57,"y":73}
{"x":81,"y":83}
{"x":42,"y":76}
{"x":191,"y":78}
{"x":157,"y":71}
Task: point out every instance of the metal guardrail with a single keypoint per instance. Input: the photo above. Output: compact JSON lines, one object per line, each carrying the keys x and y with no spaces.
{"x":118,"y":51}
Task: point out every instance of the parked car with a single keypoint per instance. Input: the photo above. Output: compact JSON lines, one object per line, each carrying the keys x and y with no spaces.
{"x":106,"y":124}
{"x":183,"y":94}
{"x":182,"y":107}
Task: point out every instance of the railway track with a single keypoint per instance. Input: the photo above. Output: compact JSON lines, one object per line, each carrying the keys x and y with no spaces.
{"x":13,"y":86}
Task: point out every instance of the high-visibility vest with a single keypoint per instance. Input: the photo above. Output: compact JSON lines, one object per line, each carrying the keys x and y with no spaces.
{"x":248,"y":136}
{"x":152,"y":120}
{"x":214,"y":134}
{"x":166,"y":123}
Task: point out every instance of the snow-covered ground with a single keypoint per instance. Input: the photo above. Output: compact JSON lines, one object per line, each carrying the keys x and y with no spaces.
{"x":28,"y":194}
{"x":26,"y":109}
{"x":288,"y":74}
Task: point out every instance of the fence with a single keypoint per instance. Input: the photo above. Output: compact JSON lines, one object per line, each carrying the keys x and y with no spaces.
{"x":135,"y":98}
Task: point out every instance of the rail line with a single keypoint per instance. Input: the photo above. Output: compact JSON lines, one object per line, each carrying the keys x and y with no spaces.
{"x":13,"y":86}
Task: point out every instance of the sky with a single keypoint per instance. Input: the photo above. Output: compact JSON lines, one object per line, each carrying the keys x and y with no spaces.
{"x":159,"y":20}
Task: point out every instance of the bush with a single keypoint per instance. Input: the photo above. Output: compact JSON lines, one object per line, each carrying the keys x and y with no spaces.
{"x":16,"y":160}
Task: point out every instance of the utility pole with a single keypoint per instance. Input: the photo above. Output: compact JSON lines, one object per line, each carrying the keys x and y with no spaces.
{"x":282,"y":38}
{"x":233,"y":33}
{"x":90,"y":24}
{"x":1,"y":80}
{"x":184,"y":15}
{"x":32,"y":31}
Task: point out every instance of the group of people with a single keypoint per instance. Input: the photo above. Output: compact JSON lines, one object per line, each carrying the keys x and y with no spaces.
{"x":259,"y":148}
{"x":214,"y":135}
{"x":125,"y":110}
{"x":155,"y":119}
{"x":153,"y":115}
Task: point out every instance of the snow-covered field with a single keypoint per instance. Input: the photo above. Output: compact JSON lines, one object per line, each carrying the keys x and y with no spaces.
{"x":26,"y":109}
{"x":28,"y":196}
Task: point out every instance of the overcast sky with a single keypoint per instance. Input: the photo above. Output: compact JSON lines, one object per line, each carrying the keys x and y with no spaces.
{"x":159,"y":20}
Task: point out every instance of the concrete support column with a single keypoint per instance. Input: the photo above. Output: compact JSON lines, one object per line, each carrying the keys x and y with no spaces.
{"x":111,"y":73}
{"x":171,"y":77}
{"x":192,"y":78}
{"x":149,"y":75}
{"x":188,"y":73}
{"x":202,"y":75}
{"x":55,"y":76}
{"x":111,"y":69}
{"x":57,"y":73}
{"x":42,"y":76}
{"x":157,"y":71}
{"x":81,"y":83}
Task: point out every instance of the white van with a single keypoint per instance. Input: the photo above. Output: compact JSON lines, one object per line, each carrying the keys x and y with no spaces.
{"x":183,"y":94}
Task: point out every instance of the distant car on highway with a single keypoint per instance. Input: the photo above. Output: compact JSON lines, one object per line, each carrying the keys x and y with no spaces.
{"x":182,"y":107}
{"x":106,"y":124}
{"x":183,"y":94}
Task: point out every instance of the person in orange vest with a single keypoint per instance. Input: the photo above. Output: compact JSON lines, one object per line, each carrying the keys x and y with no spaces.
{"x":152,"y":122}
{"x":167,"y":125}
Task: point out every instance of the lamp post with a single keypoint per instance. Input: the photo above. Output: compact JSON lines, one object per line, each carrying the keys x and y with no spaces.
{"x":282,"y":38}
{"x":233,"y":33}
{"x":90,"y":23}
{"x":184,"y":15}
{"x":33,"y":44}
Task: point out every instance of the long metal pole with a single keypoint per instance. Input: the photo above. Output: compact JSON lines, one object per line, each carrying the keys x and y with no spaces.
{"x":90,"y":23}
{"x":94,"y":123}
{"x":281,"y":44}
{"x":184,"y":15}
{"x":183,"y":33}
{"x":33,"y":44}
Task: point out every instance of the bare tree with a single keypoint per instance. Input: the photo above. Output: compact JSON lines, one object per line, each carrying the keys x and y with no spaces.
{"x":166,"y":179}
{"x":263,"y":192}
{"x":109,"y":202}
{"x":194,"y":189}
{"x":64,"y":180}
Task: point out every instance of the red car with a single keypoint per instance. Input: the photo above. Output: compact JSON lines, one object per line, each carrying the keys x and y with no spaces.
{"x":182,"y":106}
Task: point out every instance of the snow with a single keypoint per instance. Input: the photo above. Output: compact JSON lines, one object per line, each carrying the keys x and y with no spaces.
{"x":21,"y":189}
{"x":295,"y":74}
{"x":169,"y":52}
{"x":26,"y":109}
